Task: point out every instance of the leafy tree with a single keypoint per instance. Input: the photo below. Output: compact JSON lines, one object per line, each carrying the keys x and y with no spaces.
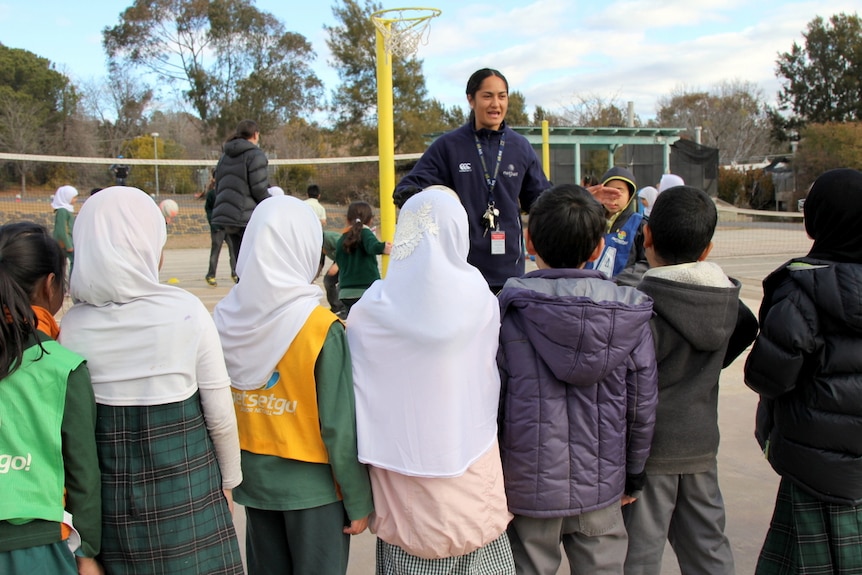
{"x":517,"y":115}
{"x":733,"y":115}
{"x":37,"y":104}
{"x":233,"y":60}
{"x":354,"y":101}
{"x":824,"y":147}
{"x":822,"y":80}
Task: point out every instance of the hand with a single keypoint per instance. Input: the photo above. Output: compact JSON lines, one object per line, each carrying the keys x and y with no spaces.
{"x":388,"y":248}
{"x":228,"y":494}
{"x":627,"y":499}
{"x":89,"y":566}
{"x":356,"y":526}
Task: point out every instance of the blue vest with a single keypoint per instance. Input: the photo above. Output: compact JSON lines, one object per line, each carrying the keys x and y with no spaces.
{"x":618,"y":246}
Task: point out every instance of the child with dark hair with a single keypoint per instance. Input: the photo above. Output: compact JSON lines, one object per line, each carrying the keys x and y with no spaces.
{"x":49,"y":476}
{"x":242,"y":182}
{"x":577,"y":364}
{"x":623,"y":230}
{"x":356,"y":254}
{"x":806,"y":367}
{"x":495,"y":173}
{"x":700,"y":327}
{"x":313,"y":201}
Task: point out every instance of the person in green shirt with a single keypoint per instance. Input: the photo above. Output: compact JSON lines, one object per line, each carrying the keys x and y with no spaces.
{"x":63,"y":203}
{"x":49,"y":470}
{"x":356,"y":254}
{"x":304,"y":491}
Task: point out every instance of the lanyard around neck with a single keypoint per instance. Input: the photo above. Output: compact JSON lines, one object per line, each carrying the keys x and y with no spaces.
{"x":490,"y":181}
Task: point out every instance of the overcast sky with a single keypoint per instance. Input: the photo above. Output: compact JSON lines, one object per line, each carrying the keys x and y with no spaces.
{"x":550,"y":50}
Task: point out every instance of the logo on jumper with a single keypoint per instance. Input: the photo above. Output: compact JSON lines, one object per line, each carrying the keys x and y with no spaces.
{"x":15,"y":463}
{"x":465,"y":167}
{"x":272,"y":381}
{"x":621,"y":237}
{"x":510,"y":172}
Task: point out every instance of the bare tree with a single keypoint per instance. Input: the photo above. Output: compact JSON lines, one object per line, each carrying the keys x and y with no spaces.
{"x":597,"y":111}
{"x":21,"y":129}
{"x":733,"y":115}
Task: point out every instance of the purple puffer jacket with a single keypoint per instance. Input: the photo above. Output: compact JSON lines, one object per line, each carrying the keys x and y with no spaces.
{"x":579,"y":394}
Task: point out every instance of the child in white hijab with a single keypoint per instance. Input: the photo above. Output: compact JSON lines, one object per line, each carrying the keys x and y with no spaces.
{"x":647,"y":197}
{"x":63,"y":203}
{"x":424,"y":344}
{"x":293,"y":393}
{"x":166,"y":429}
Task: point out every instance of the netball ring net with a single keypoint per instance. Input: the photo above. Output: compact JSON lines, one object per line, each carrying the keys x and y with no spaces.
{"x":404,"y":29}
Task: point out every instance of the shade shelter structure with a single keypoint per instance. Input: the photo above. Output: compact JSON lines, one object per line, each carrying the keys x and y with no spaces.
{"x":567,"y":143}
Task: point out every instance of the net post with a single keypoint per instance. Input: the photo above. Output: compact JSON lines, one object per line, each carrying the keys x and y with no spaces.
{"x":385,"y":144}
{"x":395,"y":36}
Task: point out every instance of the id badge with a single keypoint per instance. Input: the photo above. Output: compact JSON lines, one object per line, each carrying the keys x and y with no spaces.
{"x":498,"y":243}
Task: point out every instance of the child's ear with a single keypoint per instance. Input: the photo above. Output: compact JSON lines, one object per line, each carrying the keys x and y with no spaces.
{"x":703,"y":255}
{"x":529,"y":243}
{"x":598,"y":251}
{"x":647,"y":236}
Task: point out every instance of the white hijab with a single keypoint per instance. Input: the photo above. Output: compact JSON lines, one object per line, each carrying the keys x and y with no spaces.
{"x":650,"y":194}
{"x":142,"y":339}
{"x":261,"y":315}
{"x":423,"y":343}
{"x":669,"y":181}
{"x":63,"y":198}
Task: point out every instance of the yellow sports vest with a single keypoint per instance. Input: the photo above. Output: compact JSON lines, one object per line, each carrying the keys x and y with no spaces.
{"x":280,"y":418}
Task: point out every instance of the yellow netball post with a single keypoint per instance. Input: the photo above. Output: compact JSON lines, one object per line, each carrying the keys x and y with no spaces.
{"x":399,"y":33}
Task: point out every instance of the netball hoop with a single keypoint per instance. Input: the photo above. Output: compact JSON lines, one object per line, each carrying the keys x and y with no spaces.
{"x":404,"y":29}
{"x":400,"y":31}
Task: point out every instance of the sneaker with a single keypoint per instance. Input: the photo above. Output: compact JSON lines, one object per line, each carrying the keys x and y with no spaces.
{"x":212,"y":281}
{"x":235,"y":278}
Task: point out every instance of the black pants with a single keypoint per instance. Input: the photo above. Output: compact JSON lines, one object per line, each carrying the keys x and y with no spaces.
{"x":217,"y":237}
{"x":330,"y":283}
{"x":234,"y":240}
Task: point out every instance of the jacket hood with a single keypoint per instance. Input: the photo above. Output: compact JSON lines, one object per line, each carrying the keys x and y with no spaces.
{"x":237,"y":146}
{"x":618,"y":173}
{"x":833,"y":287}
{"x":715,"y":300}
{"x":580,"y":324}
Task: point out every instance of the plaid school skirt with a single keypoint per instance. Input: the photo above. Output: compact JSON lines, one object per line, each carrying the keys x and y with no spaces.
{"x":495,"y":558}
{"x":163,"y":510}
{"x":809,"y":537}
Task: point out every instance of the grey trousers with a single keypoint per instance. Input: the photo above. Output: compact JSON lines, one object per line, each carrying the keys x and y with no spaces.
{"x":686,"y":510}
{"x":595,"y":543}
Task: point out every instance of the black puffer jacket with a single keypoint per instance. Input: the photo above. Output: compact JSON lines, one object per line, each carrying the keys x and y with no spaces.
{"x":806,"y":364}
{"x":241,"y":183}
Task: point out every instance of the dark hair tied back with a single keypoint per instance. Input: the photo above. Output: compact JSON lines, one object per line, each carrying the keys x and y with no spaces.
{"x":29,"y":254}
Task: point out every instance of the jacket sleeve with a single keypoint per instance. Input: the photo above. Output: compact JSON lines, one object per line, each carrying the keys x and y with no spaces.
{"x":431,"y":169}
{"x":258,"y":176}
{"x":534,"y":182}
{"x":370,"y":242}
{"x":641,"y":402}
{"x":787,"y":334}
{"x":83,"y":480}
{"x":742,"y":336}
{"x":337,"y":411}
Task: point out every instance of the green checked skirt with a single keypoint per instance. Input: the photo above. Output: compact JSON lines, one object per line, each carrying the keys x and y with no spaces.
{"x":809,"y":537}
{"x":163,"y":510}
